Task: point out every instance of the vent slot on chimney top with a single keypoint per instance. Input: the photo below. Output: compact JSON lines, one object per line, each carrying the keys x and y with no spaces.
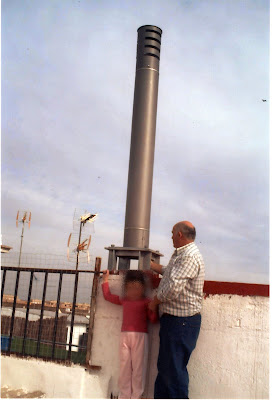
{"x":151,"y":54}
{"x":151,"y":30}
{"x":152,"y":47}
{"x":151,"y":38}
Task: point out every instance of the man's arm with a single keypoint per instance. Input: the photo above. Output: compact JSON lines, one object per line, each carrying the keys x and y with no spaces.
{"x":157,"y":268}
{"x":180,"y":273}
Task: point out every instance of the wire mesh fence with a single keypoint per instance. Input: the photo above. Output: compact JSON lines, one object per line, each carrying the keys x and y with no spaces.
{"x":45,"y":307}
{"x":45,"y":260}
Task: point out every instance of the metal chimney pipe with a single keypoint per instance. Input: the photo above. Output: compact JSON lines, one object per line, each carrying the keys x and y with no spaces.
{"x":142,"y":146}
{"x":140,"y":175}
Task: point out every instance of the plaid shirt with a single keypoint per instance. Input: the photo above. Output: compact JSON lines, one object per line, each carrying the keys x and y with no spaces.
{"x":181,"y":286}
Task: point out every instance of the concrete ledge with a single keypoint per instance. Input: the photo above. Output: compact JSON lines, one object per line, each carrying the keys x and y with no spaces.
{"x":54,"y":380}
{"x":231,"y":360}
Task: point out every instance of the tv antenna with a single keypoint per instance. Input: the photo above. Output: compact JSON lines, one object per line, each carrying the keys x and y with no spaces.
{"x":22,"y":217}
{"x":82,"y":222}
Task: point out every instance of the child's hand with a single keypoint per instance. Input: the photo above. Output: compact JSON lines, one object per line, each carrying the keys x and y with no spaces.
{"x":106,"y":275}
{"x":153,"y":306}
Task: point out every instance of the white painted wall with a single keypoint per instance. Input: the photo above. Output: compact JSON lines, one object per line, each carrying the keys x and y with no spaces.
{"x":54,"y":380}
{"x":231,"y":359}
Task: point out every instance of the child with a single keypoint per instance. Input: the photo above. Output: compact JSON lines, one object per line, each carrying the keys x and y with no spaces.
{"x":133,"y":339}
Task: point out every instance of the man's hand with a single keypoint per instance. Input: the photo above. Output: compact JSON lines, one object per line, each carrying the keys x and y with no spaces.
{"x":156,"y":267}
{"x":154,"y":304}
{"x":106,"y":275}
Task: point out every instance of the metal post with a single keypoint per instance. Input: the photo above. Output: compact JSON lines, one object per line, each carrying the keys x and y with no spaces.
{"x":78,"y":244}
{"x":56,"y":316}
{"x":3,"y":285}
{"x":22,"y":236}
{"x":41,"y":315}
{"x":92,"y":310}
{"x":73,"y":316}
{"x":140,"y":175}
{"x":13,"y":310}
{"x":27,"y":309}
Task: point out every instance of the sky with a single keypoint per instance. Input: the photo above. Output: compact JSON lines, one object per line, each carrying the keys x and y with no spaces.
{"x":68,"y":70}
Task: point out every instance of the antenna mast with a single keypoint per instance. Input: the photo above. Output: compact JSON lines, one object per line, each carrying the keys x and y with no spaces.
{"x":79,"y":248}
{"x":22,"y":216}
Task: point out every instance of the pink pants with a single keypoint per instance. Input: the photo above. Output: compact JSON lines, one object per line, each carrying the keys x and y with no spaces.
{"x":133,"y":363}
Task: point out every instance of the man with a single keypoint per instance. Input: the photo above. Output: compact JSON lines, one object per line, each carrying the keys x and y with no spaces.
{"x":179,"y":297}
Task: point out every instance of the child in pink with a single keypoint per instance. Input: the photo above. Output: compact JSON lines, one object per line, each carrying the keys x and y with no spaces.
{"x":134,"y":337}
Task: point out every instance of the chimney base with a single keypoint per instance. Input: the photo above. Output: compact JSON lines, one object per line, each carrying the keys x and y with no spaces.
{"x":125,"y":254}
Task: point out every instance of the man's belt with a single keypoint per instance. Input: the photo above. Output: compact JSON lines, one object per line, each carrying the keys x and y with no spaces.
{"x":187,"y":316}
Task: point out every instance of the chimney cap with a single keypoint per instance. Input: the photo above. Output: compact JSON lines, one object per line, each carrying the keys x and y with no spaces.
{"x":150,"y":26}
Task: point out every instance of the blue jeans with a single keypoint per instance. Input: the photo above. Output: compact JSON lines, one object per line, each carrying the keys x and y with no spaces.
{"x":178,"y":337}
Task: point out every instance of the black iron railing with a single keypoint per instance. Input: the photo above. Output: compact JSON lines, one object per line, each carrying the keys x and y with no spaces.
{"x":66,"y":355}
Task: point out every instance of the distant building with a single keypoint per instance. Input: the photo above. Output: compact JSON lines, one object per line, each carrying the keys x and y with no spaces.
{"x":5,"y":249}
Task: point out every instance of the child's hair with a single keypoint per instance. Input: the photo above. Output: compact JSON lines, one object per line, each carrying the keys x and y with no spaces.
{"x":134,"y":276}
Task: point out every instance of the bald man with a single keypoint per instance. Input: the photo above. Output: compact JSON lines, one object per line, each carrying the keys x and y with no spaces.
{"x":179,"y":298}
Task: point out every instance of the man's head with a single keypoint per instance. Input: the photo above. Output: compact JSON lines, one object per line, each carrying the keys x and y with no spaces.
{"x":183,"y":233}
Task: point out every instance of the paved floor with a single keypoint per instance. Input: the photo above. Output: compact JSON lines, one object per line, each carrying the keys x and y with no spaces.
{"x":8,"y":393}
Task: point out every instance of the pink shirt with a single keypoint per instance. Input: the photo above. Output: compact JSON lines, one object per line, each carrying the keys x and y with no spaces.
{"x":135,"y":313}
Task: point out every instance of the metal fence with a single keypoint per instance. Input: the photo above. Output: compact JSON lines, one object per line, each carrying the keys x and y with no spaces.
{"x":48,"y":312}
